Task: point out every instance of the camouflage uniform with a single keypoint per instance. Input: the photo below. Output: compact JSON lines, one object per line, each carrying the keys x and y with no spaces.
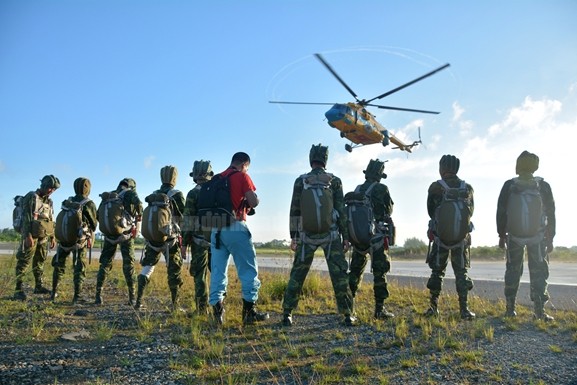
{"x":439,"y":253}
{"x":34,"y":215}
{"x":154,"y":250}
{"x":538,"y":247}
{"x":332,"y":246}
{"x":89,"y":217}
{"x":382,"y":205}
{"x":133,"y":206}
{"x":199,"y":250}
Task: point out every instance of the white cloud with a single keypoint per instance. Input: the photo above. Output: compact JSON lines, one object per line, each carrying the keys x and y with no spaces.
{"x":148,"y":161}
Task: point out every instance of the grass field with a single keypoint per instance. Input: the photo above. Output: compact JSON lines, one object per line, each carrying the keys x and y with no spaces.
{"x":318,"y":349}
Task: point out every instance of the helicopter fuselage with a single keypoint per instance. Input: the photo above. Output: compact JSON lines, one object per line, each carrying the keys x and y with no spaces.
{"x":355,"y":123}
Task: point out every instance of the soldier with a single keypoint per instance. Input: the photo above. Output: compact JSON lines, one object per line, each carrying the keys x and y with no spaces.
{"x":37,"y":235}
{"x":171,"y":248}
{"x":193,"y":236}
{"x":526,"y":221}
{"x":89,"y":222}
{"x":331,"y":235}
{"x":459,"y":245}
{"x":382,"y":208}
{"x":236,"y":239}
{"x":132,"y":209}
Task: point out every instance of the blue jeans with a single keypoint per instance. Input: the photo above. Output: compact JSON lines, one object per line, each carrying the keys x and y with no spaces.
{"x":236,"y":240}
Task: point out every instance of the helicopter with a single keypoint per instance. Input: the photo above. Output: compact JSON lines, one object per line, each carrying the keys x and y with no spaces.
{"x":360,"y":126}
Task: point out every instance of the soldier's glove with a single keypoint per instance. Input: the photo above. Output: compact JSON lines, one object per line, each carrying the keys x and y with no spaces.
{"x":549,"y":247}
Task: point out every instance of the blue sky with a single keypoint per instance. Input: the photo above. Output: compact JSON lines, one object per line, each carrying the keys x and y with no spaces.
{"x":112,"y":89}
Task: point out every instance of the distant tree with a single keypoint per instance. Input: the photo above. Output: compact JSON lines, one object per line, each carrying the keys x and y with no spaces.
{"x":414,"y":246}
{"x":274,"y":244}
{"x":9,"y":235}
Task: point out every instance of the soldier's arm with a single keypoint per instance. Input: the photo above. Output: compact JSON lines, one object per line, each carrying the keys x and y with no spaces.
{"x":339,"y":205}
{"x":295,"y":208}
{"x":549,"y":207}
{"x":502,"y":210}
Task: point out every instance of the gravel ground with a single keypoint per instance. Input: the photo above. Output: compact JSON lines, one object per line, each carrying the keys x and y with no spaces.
{"x":526,"y":355}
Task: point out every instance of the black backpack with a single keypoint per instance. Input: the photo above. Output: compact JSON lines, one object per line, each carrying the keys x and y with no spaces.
{"x":361,"y":220}
{"x":214,"y":204}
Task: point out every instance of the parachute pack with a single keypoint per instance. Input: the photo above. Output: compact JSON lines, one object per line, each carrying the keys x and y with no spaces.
{"x":525,"y":214}
{"x":158,"y":223}
{"x":452,"y":220}
{"x":317,"y":203}
{"x":17,"y":213}
{"x":70,"y":227}
{"x":214,"y":204}
{"x":361,"y":219}
{"x":113,"y":219}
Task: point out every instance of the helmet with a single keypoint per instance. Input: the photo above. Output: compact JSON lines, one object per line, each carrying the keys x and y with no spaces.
{"x":319,"y":153}
{"x":126,"y":183}
{"x":201,"y":170}
{"x":168,"y":175}
{"x":82,"y":186}
{"x":449,"y":164}
{"x":375,"y":170}
{"x":49,"y":181}
{"x":527,"y":162}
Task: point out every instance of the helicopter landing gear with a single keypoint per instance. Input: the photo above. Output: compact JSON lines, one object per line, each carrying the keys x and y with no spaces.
{"x":348,"y":147}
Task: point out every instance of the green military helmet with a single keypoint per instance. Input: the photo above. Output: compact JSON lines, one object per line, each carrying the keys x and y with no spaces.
{"x":126,"y":183}
{"x":82,"y":186}
{"x":449,"y":164}
{"x":375,"y":170}
{"x":169,"y":175}
{"x":527,"y":163}
{"x":319,"y":153}
{"x":201,"y":171}
{"x":49,"y":181}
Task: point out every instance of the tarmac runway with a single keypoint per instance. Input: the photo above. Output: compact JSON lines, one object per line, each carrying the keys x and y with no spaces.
{"x":487,"y":276}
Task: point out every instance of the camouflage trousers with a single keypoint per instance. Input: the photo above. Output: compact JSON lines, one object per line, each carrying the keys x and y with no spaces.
{"x":461,"y":262}
{"x":37,"y":253}
{"x":380,"y":266}
{"x":337,"y":265}
{"x":538,"y":261}
{"x":107,"y":258}
{"x":152,"y":255}
{"x":199,"y":268}
{"x":78,"y":260}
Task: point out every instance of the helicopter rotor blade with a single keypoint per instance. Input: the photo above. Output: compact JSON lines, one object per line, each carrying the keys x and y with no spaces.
{"x":282,"y":102}
{"x":410,"y":83}
{"x":328,"y":66}
{"x":403,"y":109}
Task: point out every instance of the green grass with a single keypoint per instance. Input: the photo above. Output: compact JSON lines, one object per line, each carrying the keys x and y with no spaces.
{"x":322,"y":352}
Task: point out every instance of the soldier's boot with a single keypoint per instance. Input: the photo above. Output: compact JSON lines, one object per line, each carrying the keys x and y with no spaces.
{"x":381,"y":312}
{"x":98,"y":296}
{"x":218,"y":311}
{"x":466,"y":314}
{"x":201,"y":306}
{"x":99,"y":284}
{"x":77,"y":296}
{"x":287,"y":318}
{"x":54,"y":294}
{"x":350,"y":320}
{"x":142,"y":281}
{"x":39,"y":288}
{"x":174,"y":296}
{"x":131,"y":295}
{"x":19,"y":294}
{"x":540,"y":312}
{"x":433,"y":310}
{"x":250,"y":315}
{"x":510,"y":309}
